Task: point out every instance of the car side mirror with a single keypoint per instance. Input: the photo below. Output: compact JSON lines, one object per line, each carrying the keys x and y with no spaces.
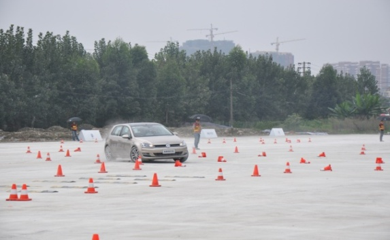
{"x":126,"y":136}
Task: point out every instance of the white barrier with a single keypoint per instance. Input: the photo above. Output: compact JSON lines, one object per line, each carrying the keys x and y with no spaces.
{"x":276,"y":132}
{"x":208,"y":133}
{"x":90,"y":135}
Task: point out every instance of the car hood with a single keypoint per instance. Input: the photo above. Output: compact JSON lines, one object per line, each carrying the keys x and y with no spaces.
{"x":161,"y":139}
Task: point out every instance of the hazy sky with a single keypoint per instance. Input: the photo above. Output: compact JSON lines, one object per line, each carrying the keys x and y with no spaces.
{"x":334,"y":30}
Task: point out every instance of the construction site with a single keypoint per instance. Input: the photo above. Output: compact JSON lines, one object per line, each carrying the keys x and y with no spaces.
{"x":241,"y":187}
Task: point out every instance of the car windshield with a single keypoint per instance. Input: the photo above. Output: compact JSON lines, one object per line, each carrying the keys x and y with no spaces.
{"x":150,"y":130}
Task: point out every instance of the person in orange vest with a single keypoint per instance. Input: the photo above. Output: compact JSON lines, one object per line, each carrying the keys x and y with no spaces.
{"x":381,"y":130}
{"x":197,"y":129}
{"x":73,"y":127}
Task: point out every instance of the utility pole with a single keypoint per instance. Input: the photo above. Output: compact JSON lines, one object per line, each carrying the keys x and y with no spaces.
{"x":305,"y":68}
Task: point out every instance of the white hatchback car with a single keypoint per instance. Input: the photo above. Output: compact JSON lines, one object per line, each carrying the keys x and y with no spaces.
{"x":147,"y":140}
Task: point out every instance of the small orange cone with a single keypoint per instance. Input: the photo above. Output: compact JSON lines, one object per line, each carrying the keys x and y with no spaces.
{"x":298,"y":141}
{"x":24,"y":194}
{"x":67,"y":153}
{"x":303,"y":161}
{"x":256,"y":172}
{"x":39,"y":156}
{"x":179,"y":164}
{"x":263,"y":154}
{"x":363,"y":148}
{"x":291,"y":150}
{"x":81,"y":140}
{"x":379,"y":160}
{"x":309,"y":139}
{"x":378,"y":167}
{"x":235,"y":140}
{"x":202,"y":155}
{"x":61,"y":150}
{"x":275,"y":142}
{"x":221,"y":159}
{"x":95,"y":236}
{"x":362,"y":153}
{"x":91,"y":188}
{"x":155,"y":181}
{"x":322,"y":154}
{"x":220,"y":176}
{"x":327,"y":168}
{"x":98,"y":159}
{"x":28,"y":150}
{"x":209,"y":141}
{"x":136,"y":165}
{"x":287,"y":170}
{"x":260,"y":140}
{"x":48,"y":157}
{"x":96,"y":140}
{"x":236,"y":150}
{"x":14,"y":194}
{"x":62,"y":141}
{"x":263,"y":142}
{"x":59,"y":172}
{"x":224,"y":141}
{"x":78,"y":149}
{"x":102,"y":168}
{"x":193,"y":150}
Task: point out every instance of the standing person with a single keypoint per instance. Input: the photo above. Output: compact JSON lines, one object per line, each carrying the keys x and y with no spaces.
{"x":73,"y":127}
{"x":197,"y":129}
{"x":382,"y":130}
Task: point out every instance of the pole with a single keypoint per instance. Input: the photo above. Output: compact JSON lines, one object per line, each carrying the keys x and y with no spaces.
{"x":231,"y":103}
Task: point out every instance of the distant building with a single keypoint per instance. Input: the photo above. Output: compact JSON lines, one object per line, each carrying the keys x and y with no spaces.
{"x":191,"y":46}
{"x":284,"y":59}
{"x":380,"y":71}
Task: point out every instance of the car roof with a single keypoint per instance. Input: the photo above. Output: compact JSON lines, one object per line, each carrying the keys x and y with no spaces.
{"x":139,"y":123}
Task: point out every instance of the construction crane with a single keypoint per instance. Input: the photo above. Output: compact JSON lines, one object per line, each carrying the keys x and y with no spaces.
{"x":277,"y":43}
{"x":212,"y":34}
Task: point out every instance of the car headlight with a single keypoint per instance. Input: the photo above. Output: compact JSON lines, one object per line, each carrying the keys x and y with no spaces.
{"x":146,"y":145}
{"x":183,"y":144}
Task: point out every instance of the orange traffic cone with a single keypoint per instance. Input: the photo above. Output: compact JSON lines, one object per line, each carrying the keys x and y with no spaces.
{"x":263,"y":154}
{"x":62,"y":141}
{"x":202,"y":155}
{"x":96,"y":140}
{"x":260,"y":140}
{"x":95,"y":236}
{"x":179,"y":164}
{"x":224,"y":141}
{"x":48,"y":157}
{"x":287,"y":170}
{"x":98,"y":159}
{"x":209,"y":141}
{"x":235,"y":140}
{"x":263,"y":142}
{"x":136,"y":165}
{"x":255,"y":172}
{"x":155,"y":181}
{"x":327,"y":168}
{"x":220,"y":176}
{"x":14,"y":194}
{"x":59,"y":172}
{"x":193,"y":150}
{"x":275,"y":142}
{"x":309,"y":139}
{"x":78,"y":149}
{"x":291,"y":150}
{"x":303,"y":161}
{"x":379,"y":160}
{"x":363,"y":147}
{"x":322,"y":154}
{"x":28,"y":150}
{"x":67,"y":153}
{"x":39,"y":156}
{"x":102,"y":168}
{"x":24,"y":194}
{"x":221,"y":159}
{"x":362,"y":153}
{"x":378,"y":167}
{"x":298,"y":141}
{"x":91,"y":188}
{"x":61,"y":150}
{"x":236,"y":150}
{"x":81,"y":140}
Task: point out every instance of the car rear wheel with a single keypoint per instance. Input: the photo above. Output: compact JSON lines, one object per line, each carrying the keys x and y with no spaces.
{"x":134,"y":153}
{"x":107,"y":152}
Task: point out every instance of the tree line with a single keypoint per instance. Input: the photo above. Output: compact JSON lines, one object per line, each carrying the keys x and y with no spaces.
{"x":45,"y":83}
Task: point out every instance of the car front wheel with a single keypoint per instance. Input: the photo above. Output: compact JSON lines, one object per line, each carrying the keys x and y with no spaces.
{"x":134,"y":153}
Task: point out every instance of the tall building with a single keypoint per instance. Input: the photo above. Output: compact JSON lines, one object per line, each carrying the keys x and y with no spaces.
{"x":284,"y":59}
{"x":191,"y":46}
{"x":381,"y":72}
